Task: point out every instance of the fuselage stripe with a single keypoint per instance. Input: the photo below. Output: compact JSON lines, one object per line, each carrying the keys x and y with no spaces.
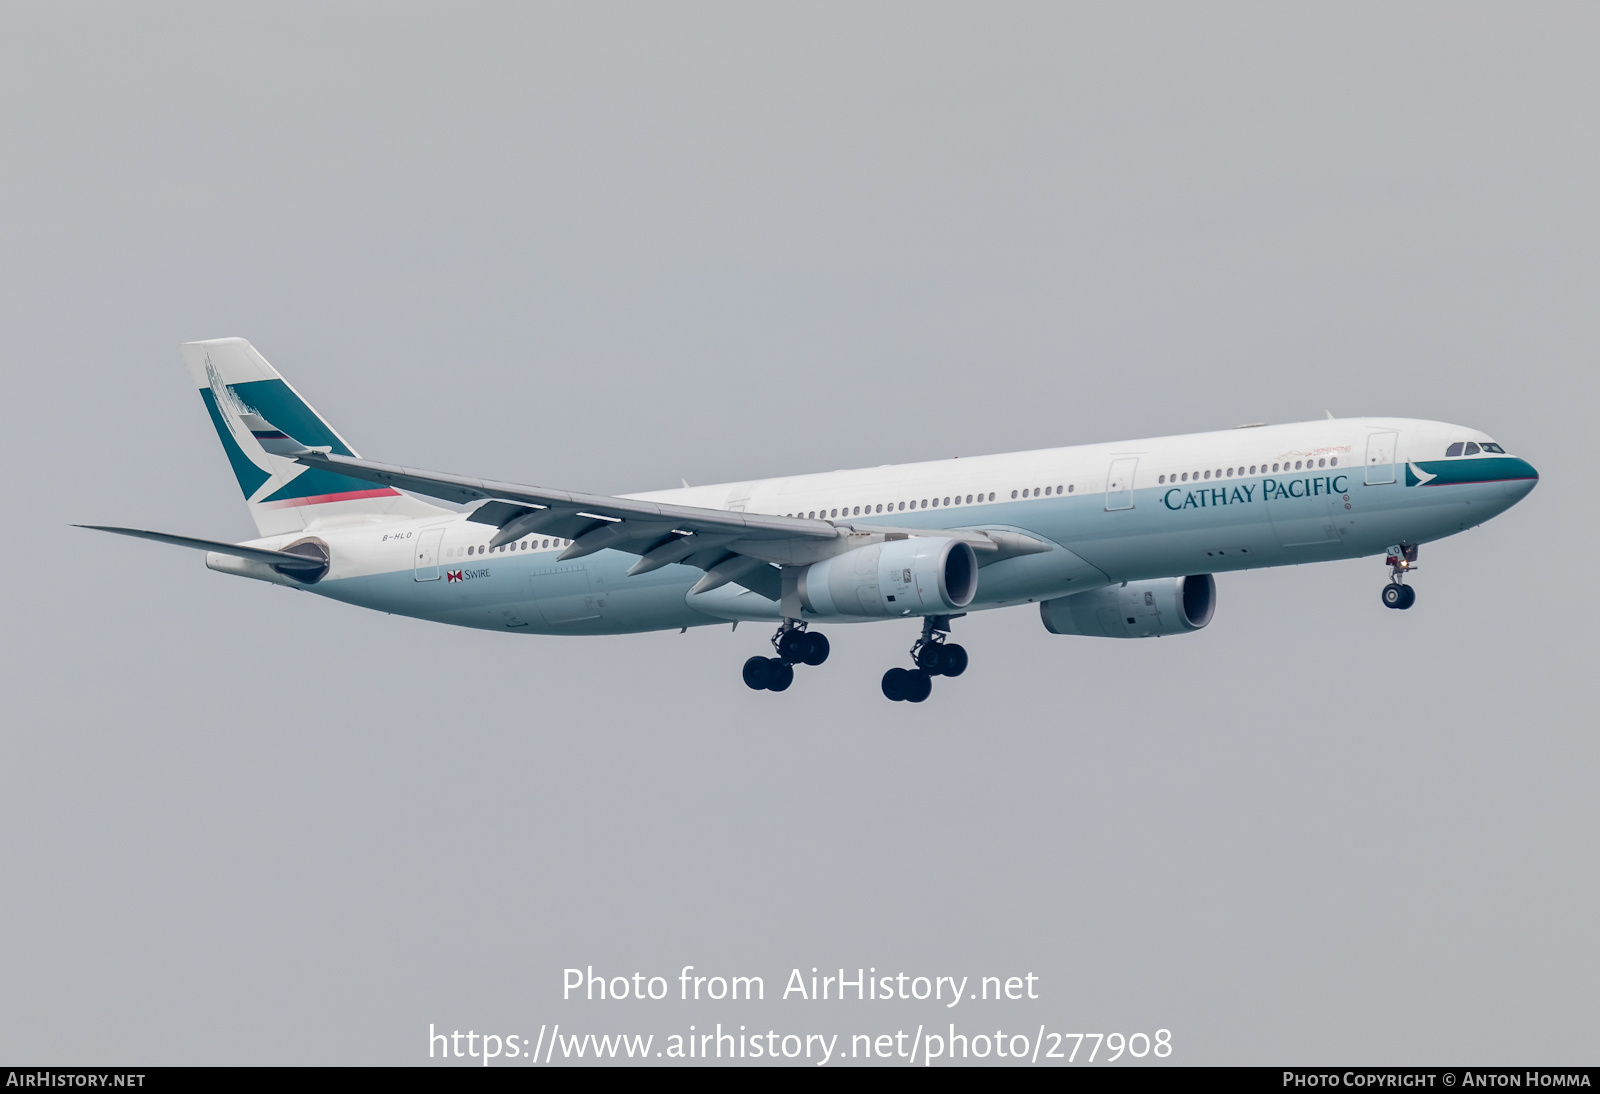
{"x":1480,"y":482}
{"x":319,"y":499}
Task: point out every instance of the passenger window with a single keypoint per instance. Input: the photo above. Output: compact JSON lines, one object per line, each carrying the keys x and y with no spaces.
{"x":1472,"y":449}
{"x":1013,"y":493}
{"x":1322,"y":463}
{"x":1069,"y":487}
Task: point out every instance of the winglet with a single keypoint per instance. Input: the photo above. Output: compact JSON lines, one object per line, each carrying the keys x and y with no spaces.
{"x":1329,"y":413}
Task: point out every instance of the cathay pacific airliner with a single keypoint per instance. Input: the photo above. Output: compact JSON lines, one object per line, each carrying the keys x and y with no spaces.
{"x":1113,"y":540}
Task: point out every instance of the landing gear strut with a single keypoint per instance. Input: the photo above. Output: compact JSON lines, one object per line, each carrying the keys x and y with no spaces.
{"x":1402,"y":560}
{"x":794,"y":645}
{"x":933,"y":656}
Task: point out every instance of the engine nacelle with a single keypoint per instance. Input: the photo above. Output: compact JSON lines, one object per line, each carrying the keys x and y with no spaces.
{"x":918,"y":576}
{"x":1135,"y":609}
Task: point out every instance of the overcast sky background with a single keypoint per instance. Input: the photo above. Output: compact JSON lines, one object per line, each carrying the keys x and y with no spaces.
{"x":605,"y":246}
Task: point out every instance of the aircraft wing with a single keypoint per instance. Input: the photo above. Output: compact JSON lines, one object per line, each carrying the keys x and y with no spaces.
{"x":743,"y":548}
{"x":566,"y":513}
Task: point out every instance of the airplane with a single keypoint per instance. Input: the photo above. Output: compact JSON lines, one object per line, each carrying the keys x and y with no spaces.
{"x":1115,"y":540}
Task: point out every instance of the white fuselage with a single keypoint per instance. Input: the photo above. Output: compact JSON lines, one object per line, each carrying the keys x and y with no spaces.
{"x":1110,"y":513}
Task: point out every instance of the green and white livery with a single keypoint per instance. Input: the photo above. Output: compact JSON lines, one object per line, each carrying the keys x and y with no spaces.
{"x":1109,"y":540}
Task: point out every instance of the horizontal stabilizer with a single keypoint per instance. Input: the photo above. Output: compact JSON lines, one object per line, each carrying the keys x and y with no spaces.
{"x":281,"y":559}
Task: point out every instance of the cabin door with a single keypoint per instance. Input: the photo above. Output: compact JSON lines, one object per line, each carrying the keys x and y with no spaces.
{"x":1119,"y":483}
{"x":425,"y":566}
{"x":1380,"y":458}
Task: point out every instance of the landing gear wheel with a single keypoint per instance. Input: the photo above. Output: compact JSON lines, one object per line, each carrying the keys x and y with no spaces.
{"x":780,"y":674}
{"x":1394,"y":596}
{"x":953,"y":661}
{"x":816,"y":649}
{"x":930,"y":658}
{"x":919,"y":685}
{"x":755,"y":673}
{"x":896,"y":683}
{"x":1410,"y":597}
{"x":792,"y":646}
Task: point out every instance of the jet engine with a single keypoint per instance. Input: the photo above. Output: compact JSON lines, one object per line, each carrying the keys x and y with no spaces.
{"x":1135,"y":609}
{"x":928,"y":575}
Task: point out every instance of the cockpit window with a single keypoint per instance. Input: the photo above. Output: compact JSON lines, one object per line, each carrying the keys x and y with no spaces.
{"x":1490,"y":446}
{"x":1453,"y":450}
{"x":1472,"y":448}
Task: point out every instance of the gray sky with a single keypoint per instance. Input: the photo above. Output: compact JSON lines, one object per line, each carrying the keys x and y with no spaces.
{"x":606,"y":246}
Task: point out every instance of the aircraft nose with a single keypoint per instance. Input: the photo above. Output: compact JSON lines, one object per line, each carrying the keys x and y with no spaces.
{"x":1526,"y":479}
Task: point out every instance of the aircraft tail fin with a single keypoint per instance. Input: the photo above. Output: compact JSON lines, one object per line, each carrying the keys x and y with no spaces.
{"x":242,"y":393}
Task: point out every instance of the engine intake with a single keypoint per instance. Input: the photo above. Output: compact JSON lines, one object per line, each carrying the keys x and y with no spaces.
{"x":1135,"y":609}
{"x":920,"y":576}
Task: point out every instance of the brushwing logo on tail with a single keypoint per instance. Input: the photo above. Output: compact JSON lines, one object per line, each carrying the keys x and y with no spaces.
{"x":232,"y":408}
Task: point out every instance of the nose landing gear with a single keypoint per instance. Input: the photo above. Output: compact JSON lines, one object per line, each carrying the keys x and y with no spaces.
{"x":933,"y":656}
{"x":794,"y":645}
{"x":1402,"y":560}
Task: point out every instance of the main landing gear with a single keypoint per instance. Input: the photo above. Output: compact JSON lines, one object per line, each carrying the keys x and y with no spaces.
{"x":933,"y":657}
{"x":794,"y":645}
{"x":1402,"y":560}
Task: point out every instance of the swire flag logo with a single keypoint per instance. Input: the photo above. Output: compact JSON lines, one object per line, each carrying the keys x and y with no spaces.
{"x":453,"y":575}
